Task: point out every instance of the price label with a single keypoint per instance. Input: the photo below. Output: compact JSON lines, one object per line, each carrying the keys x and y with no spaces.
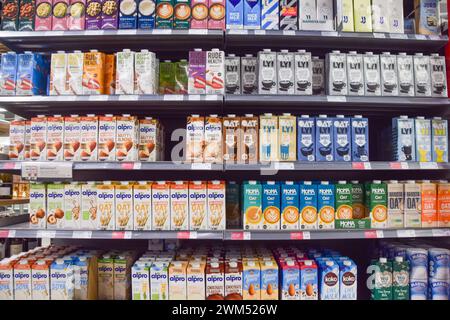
{"x":198,"y":31}
{"x":329,"y":33}
{"x":380,"y":234}
{"x":194,"y":97}
{"x":306,"y":235}
{"x":399,"y":165}
{"x":118,"y":235}
{"x":260,"y":32}
{"x":47,"y":170}
{"x":82,"y":235}
{"x":336,"y":99}
{"x":124,"y":97}
{"x":440,"y":232}
{"x":128,"y":235}
{"x":193,"y":235}
{"x":288,"y":32}
{"x":183,"y":235}
{"x":211,"y":97}
{"x":434,"y":37}
{"x":238,"y":32}
{"x":137,"y":166}
{"x":247,"y":236}
{"x":11,"y":166}
{"x":46,"y":234}
{"x":421,"y":37}
{"x":370,"y":234}
{"x":284,"y":166}
{"x":12,"y":234}
{"x":406,"y":233}
{"x":127,"y":165}
{"x":4,"y":233}
{"x":173,"y":97}
{"x":361,"y":166}
{"x":398,"y":36}
{"x":428,"y":165}
{"x":296,"y":236}
{"x":201,"y":166}
{"x":237,"y":236}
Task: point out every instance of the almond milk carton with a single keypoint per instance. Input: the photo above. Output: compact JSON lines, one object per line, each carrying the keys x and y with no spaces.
{"x":177,"y":280}
{"x":72,"y":133}
{"x":107,"y":138}
{"x":106,"y":209}
{"x":55,"y":138}
{"x":126,"y":138}
{"x":89,"y":206}
{"x":38,"y":140}
{"x":216,"y":205}
{"x":196,"y":280}
{"x":38,"y":205}
{"x":142,"y":203}
{"x":149,"y":144}
{"x":124,"y":206}
{"x":17,"y":140}
{"x":6,"y":280}
{"x":72,"y":205}
{"x":89,"y":138}
{"x":179,"y":206}
{"x":160,"y":206}
{"x":195,"y":137}
{"x":55,"y":206}
{"x":198,"y":219}
{"x":213,"y":139}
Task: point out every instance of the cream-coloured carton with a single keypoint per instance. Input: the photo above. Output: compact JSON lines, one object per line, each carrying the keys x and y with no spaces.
{"x":58,"y":73}
{"x":380,"y":16}
{"x":178,"y":280}
{"x":216,"y":205}
{"x":40,"y":280}
{"x":107,"y":138}
{"x":72,"y":133}
{"x":38,"y":139}
{"x":106,"y":208}
{"x":215,"y":71}
{"x":142,"y":203}
{"x":125,"y":72}
{"x":287,"y":137}
{"x":124,"y":206}
{"x":74,"y":81}
{"x":395,"y":204}
{"x":160,"y":205}
{"x":89,"y":137}
{"x":198,"y":219}
{"x":62,"y":280}
{"x":22,"y":280}
{"x":213,"y":139}
{"x":72,"y":205}
{"x":144,"y":72}
{"x":396,"y":17}
{"x":149,"y":142}
{"x":17,"y":140}
{"x":268,"y":138}
{"x":140,"y":280}
{"x":105,"y":269}
{"x":122,"y":280}
{"x":27,"y":140}
{"x":89,"y":206}
{"x":55,"y":138}
{"x":179,"y":205}
{"x":196,"y":280}
{"x":38,"y":205}
{"x":362,"y":15}
{"x":195,"y":138}
{"x":56,"y":206}
{"x":127,"y":134}
{"x":6,"y":280}
{"x":413,"y":205}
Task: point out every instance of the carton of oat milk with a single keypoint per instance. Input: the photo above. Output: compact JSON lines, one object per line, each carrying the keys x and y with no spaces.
{"x":145,"y":72}
{"x":216,"y":205}
{"x":395,"y":204}
{"x":159,"y":280}
{"x":72,"y":205}
{"x":160,"y":205}
{"x":55,"y":206}
{"x":215,"y":72}
{"x":380,"y":16}
{"x":249,"y":74}
{"x":443,"y":204}
{"x":429,"y":204}
{"x":195,"y":136}
{"x":124,"y":206}
{"x":38,"y":205}
{"x":142,"y":204}
{"x":403,"y":135}
{"x":89,"y":138}
{"x":308,"y":205}
{"x":290,"y":280}
{"x":358,"y":194}
{"x":285,"y":72}
{"x":252,"y":205}
{"x":232,"y":74}
{"x":344,"y":200}
{"x":303,"y":73}
{"x":347,"y":279}
{"x":405,"y":68}
{"x":212,"y":152}
{"x":106,"y":137}
{"x":342,"y":137}
{"x":438,"y":76}
{"x":325,"y":205}
{"x":347,"y":20}
{"x":439,"y":136}
{"x":308,"y":13}
{"x":233,"y":217}
{"x":55,"y":138}
{"x":290,"y":205}
{"x":231,"y":138}
{"x":372,"y":77}
{"x":58,"y":73}
{"x":355,"y":74}
{"x":360,"y":138}
{"x":248,"y":139}
{"x":89,"y":206}
{"x":362,"y":15}
{"x":423,"y":139}
{"x":38,"y":139}
{"x":72,"y":133}
{"x":268,"y":138}
{"x":413,"y":201}
{"x":324,"y":138}
{"x":106,"y":208}
{"x":389,"y":72}
{"x":422,"y":75}
{"x":271,"y":205}
{"x":179,"y":205}
{"x":306,"y":138}
{"x":336,"y":66}
{"x":6,"y":280}
{"x":267,"y":72}
{"x":127,"y":135}
{"x":378,"y":205}
{"x":318,"y":76}
{"x":328,"y":279}
{"x":287,"y":137}
{"x":198,"y":219}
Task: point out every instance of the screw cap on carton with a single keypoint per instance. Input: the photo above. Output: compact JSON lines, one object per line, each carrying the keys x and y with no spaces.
{"x":383,"y":260}
{"x":399,"y":259}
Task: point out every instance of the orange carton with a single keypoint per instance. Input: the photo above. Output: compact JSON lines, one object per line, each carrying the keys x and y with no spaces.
{"x":17,"y":139}
{"x":89,"y":137}
{"x":443,"y":204}
{"x":38,"y":140}
{"x":429,"y":204}
{"x":93,"y":73}
{"x":107,"y":138}
{"x":127,"y":134}
{"x":110,"y":74}
{"x":72,"y":132}
{"x":55,"y":138}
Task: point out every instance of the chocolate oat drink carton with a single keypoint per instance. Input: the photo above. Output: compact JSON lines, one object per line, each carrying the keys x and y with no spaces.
{"x":144,"y":72}
{"x":216,"y":205}
{"x":38,"y":140}
{"x":88,"y":205}
{"x":438,"y":76}
{"x":325,"y":140}
{"x":93,"y":73}
{"x":290,"y":204}
{"x":198,"y":210}
{"x":405,"y":68}
{"x":164,"y":14}
{"x":252,"y":14}
{"x":127,"y":135}
{"x":308,"y":206}
{"x":355,"y":74}
{"x":142,"y":204}
{"x":215,"y":72}
{"x":336,"y":66}
{"x":212,"y":152}
{"x":389,"y":74}
{"x":107,"y":137}
{"x":271,"y":204}
{"x":303,"y":73}
{"x":342,"y":136}
{"x":285,"y":72}
{"x":403,"y":135}
{"x":106,"y":208}
{"x":395,"y":204}
{"x":439,"y":136}
{"x":160,"y":205}
{"x":344,"y":201}
{"x":267,"y":70}
{"x":200,"y":11}
{"x":372,"y":74}
{"x":288,"y":14}
{"x":56,"y":206}
{"x":196,"y":280}
{"x":287,"y":137}
{"x":252,"y":205}
{"x":325,"y":205}
{"x":249,"y":131}
{"x":362,"y":12}
{"x":215,"y":280}
{"x":268,"y":138}
{"x":124,"y":206}
{"x":422,"y":75}
{"x":72,"y":133}
{"x":58,"y":73}
{"x":197,"y":72}
{"x":38,"y":205}
{"x":17,"y":140}
{"x":443,"y":204}
{"x":358,"y":200}
{"x":378,"y":205}
{"x":179,"y":205}
{"x":231,"y":138}
{"x":306,"y":138}
{"x":249,"y":74}
{"x":89,"y":138}
{"x":423,"y":139}
{"x":413,"y":204}
{"x":235,"y":14}
{"x":233,"y":280}
{"x":125,"y":72}
{"x":232,"y":74}
{"x":429,"y":204}
{"x":195,"y":137}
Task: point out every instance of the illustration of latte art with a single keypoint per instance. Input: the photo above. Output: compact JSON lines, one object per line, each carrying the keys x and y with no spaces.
{"x":200,"y":12}
{"x":182,"y":11}
{"x":217,"y":11}
{"x":165,"y":10}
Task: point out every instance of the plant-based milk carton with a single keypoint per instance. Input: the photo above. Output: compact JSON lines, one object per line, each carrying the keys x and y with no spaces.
{"x":140,"y":281}
{"x":215,"y":280}
{"x":124,"y":206}
{"x":403,"y":135}
{"x":325,"y":205}
{"x":288,"y":14}
{"x":60,"y":15}
{"x":233,"y":218}
{"x":110,"y":15}
{"x":38,"y":140}
{"x":380,"y":16}
{"x":107,"y":138}
{"x":56,"y":206}
{"x":149,"y":142}
{"x":58,"y":73}
{"x":196,"y":280}
{"x":89,"y":138}
{"x":235,"y":14}
{"x":38,"y":205}
{"x":372,"y":78}
{"x":216,"y":14}
{"x":216,"y":205}
{"x":144,"y":72}
{"x":308,"y":280}
{"x":423,"y":139}
{"x":324,"y":138}
{"x":355,"y":74}
{"x":164,"y":14}
{"x":17,"y":140}
{"x":389,"y":72}
{"x":303,"y":73}
{"x":62,"y":280}
{"x":212,"y":152}
{"x":342,"y":137}
{"x":197,"y":72}
{"x":146,"y":14}
{"x":249,"y":74}
{"x":443,"y":202}
{"x":438,"y":76}
{"x":27,"y":140}
{"x":347,"y":279}
{"x":439,"y":136}
{"x":405,"y":66}
{"x":318,"y":76}
{"x":336,"y":66}
{"x":413,"y":202}
{"x":268,"y":138}
{"x":128,"y":14}
{"x":248,"y":139}
{"x":360,"y":138}
{"x":396,"y":19}
{"x":195,"y":137}
{"x":308,"y":206}
{"x":22,"y":280}
{"x":271,"y":205}
{"x":233,"y":280}
{"x":358,"y":200}
{"x":142,"y":204}
{"x":269,"y":15}
{"x":127,"y":135}
{"x":232,"y":74}
{"x":160,"y":205}
{"x":72,"y":205}
{"x":378,"y":205}
{"x":182,"y":14}
{"x":40,"y":280}
{"x":105,"y":268}
{"x":251,"y":280}
{"x":306,"y":138}
{"x":395,"y":204}
{"x":252,"y":206}
{"x":287,"y":137}
{"x":344,"y":202}
{"x":177,"y":280}
{"x":200,"y":11}
{"x":268,"y":75}
{"x":125,"y":72}
{"x":252,"y":14}
{"x":422,"y":75}
{"x":93,"y":73}
{"x":269,"y":280}
{"x":231,"y":137}
{"x":400,"y":279}
{"x":89,"y":206}
{"x":215,"y":72}
{"x":32,"y":72}
{"x":198,"y":211}
{"x":308,"y":13}
{"x":362,"y":10}
{"x":383,"y":280}
{"x":290,"y":205}
{"x":290,"y":280}
{"x":55,"y":138}
{"x":429,"y":203}
{"x":159,"y":280}
{"x":106,"y":208}
{"x":347,"y":20}
{"x":328,"y":280}
{"x":74,"y":80}
{"x":427,"y":17}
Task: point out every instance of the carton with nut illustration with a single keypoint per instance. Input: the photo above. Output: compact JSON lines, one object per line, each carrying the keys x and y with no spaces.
{"x":160,"y":205}
{"x":107,"y":138}
{"x":17,"y":139}
{"x":213,"y":139}
{"x":124,"y":206}
{"x":26,"y":155}
{"x":72,"y":132}
{"x":290,"y":280}
{"x":195,"y":138}
{"x":38,"y":140}
{"x":142,"y":203}
{"x":126,"y":138}
{"x":89,"y":206}
{"x":55,"y":138}
{"x":198,"y":219}
{"x":269,"y":280}
{"x":251,"y":280}
{"x":55,"y":206}
{"x":89,"y":137}
{"x":179,"y":205}
{"x":72,"y":205}
{"x":38,"y":206}
{"x":216,"y":205}
{"x":106,"y":209}
{"x":6,"y":280}
{"x":149,"y":142}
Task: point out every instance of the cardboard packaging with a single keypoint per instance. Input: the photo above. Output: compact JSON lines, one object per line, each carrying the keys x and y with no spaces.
{"x":195,"y":138}
{"x":318,"y":76}
{"x":285,"y":72}
{"x":347,"y":20}
{"x":403,"y":135}
{"x":110,"y":74}
{"x":423,"y":139}
{"x":215,"y":72}
{"x":145,"y":81}
{"x":413,"y":200}
{"x":362,"y":15}
{"x":249,"y":74}
{"x":58,"y":73}
{"x":232,"y":140}
{"x":427,"y":17}
{"x":38,"y":140}
{"x":252,"y":14}
{"x":38,"y":205}
{"x":405,"y":75}
{"x":288,"y":14}
{"x":164,"y":14}
{"x":125,"y":72}
{"x":251,"y":205}
{"x":422,"y":75}
{"x":200,"y":13}
{"x":74,"y":81}
{"x":325,"y":140}
{"x":396,"y":20}
{"x":270,"y":15}
{"x":343,"y":141}
{"x":336,"y":73}
{"x":182,"y":14}
{"x":106,"y":208}
{"x":325,"y":205}
{"x":344,"y":201}
{"x":197,"y":72}
{"x":93,"y":14}
{"x":127,"y":135}
{"x":443,"y":202}
{"x":439,"y":136}
{"x":212,"y":152}
{"x":146,"y":14}
{"x":372,"y":76}
{"x":303,"y":73}
{"x":56,"y":216}
{"x":268,"y":138}
{"x":287,"y":137}
{"x":395,"y":204}
{"x":380,"y":16}
{"x":268,"y":75}
{"x":142,"y":204}
{"x":429,"y":204}
{"x":93,"y":73}
{"x":308,"y":206}
{"x":10,"y":21}
{"x":438,"y":76}
{"x":60,"y":17}
{"x":55,"y":138}
{"x":306,"y":138}
{"x":378,"y":205}
{"x":26,"y":15}
{"x":198,"y":219}
{"x":389,"y":79}
{"x":248,"y":139}
{"x":290,"y":214}
{"x":232,"y":74}
{"x":217,"y":13}
{"x":271,"y":205}
{"x":32,"y":73}
{"x":17,"y":140}
{"x":235,"y":14}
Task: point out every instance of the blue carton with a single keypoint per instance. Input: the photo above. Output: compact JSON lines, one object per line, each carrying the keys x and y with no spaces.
{"x":252,"y":14}
{"x":306,"y":128}
{"x":308,"y":205}
{"x":325,"y":205}
{"x":32,"y":72}
{"x":342,"y":139}
{"x":271,"y":203}
{"x":289,"y":206}
{"x":8,"y":73}
{"x":360,"y":139}
{"x":324,"y":138}
{"x":235,"y":14}
{"x":128,"y":14}
{"x":146,"y":16}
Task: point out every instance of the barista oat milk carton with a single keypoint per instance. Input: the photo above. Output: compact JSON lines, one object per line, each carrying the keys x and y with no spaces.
{"x":389,"y":79}
{"x":438,"y":76}
{"x":355,"y":74}
{"x":268,"y":75}
{"x":303,"y":73}
{"x":286,"y":72}
{"x":423,"y":139}
{"x":249,"y":74}
{"x":324,"y":138}
{"x":318,"y":76}
{"x":306,"y":138}
{"x":403,"y":135}
{"x":232,"y":74}
{"x":405,"y":68}
{"x":395,"y":204}
{"x":413,"y":201}
{"x":439,"y":136}
{"x":372,"y":74}
{"x":422,"y":75}
{"x":360,"y":138}
{"x":336,"y":66}
{"x":342,"y":138}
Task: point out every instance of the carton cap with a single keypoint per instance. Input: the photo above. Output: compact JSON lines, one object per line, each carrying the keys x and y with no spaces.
{"x":304,"y":116}
{"x":40,"y":262}
{"x":195,"y":264}
{"x":369,"y":53}
{"x":268,"y":263}
{"x":434,"y":55}
{"x":231,"y":55}
{"x":308,"y":183}
{"x":403,"y":117}
{"x":23,"y":261}
{"x":426,"y":181}
{"x":411,"y":181}
{"x":301,"y":51}
{"x":59,"y":261}
{"x":252,"y":182}
{"x":286,"y":114}
{"x":347,"y":263}
{"x":248,"y":55}
{"x":74,"y":115}
{"x":315,"y":58}
{"x":326,"y":183}
{"x":323,"y":116}
{"x":144,"y":50}
{"x":161,"y":182}
{"x":249,"y":115}
{"x":124,"y":183}
{"x":148,"y":118}
{"x":352,"y":52}
{"x":56,"y":115}
{"x":393,"y":181}
{"x":340,"y":116}
{"x":268,"y":114}
{"x":290,"y":263}
{"x":214,"y":264}
{"x":90,"y":182}
{"x":342,"y":182}
{"x":329,"y":263}
{"x":215,"y":181}
{"x":420,"y":118}
{"x":308,"y":262}
{"x":398,"y":259}
{"x":198,"y":49}
{"x":437,"y":118}
{"x":183,"y":60}
{"x":59,"y":51}
{"x":41,"y":116}
{"x":214,"y":49}
{"x":92,"y":50}
{"x":402,"y":53}
{"x":354,"y":182}
{"x":284,"y":51}
{"x":196,"y":182}
{"x":195,"y":115}
{"x":267,"y":50}
{"x":289,"y":182}
{"x":357,"y":116}
{"x":270,"y":182}
{"x":91,"y":114}
{"x":386,"y":52}
{"x":377,"y":181}
{"x":419,"y":54}
{"x":383,"y":260}
{"x":107,"y":182}
{"x":167,"y":61}
{"x":231,"y":115}
{"x":125,"y":114}
{"x":251,"y":263}
{"x":213,"y":115}
{"x":233,"y":264}
{"x":82,"y":258}
{"x":336,"y":51}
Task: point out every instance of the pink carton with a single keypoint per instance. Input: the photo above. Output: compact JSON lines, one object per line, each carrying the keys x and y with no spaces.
{"x":77,"y":17}
{"x":43,"y":18}
{"x":60,"y":14}
{"x":199,"y":19}
{"x":217,"y":12}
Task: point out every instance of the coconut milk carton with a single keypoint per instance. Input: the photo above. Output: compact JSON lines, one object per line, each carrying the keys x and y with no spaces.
{"x":215,"y":72}
{"x":107,"y":138}
{"x":355,"y":74}
{"x":249,"y":74}
{"x":347,"y":279}
{"x":360,"y":138}
{"x":89,"y":138}
{"x":324,"y":138}
{"x":72,"y":205}
{"x":89,"y":206}
{"x":389,"y":72}
{"x":268,"y":74}
{"x":328,"y":279}
{"x":159,"y":280}
{"x":290,"y":205}
{"x":160,"y":206}
{"x":395,"y":204}
{"x":232,"y":74}
{"x":403,"y":136}
{"x":72,"y":133}
{"x":287,"y":137}
{"x":198,"y":219}
{"x":55,"y":138}
{"x":405,"y":68}
{"x":195,"y":138}
{"x":413,"y":201}
{"x":325,"y":205}
{"x":127,"y":135}
{"x":286,"y":72}
{"x":38,"y":205}
{"x":38,"y":139}
{"x":124,"y":206}
{"x":142,"y":204}
{"x":372,"y":78}
{"x":423,"y":139}
{"x":438,"y":76}
{"x":268,"y":138}
{"x":303,"y":73}
{"x":56,"y":206}
{"x":308,"y":205}
{"x":336,"y":66}
{"x":106,"y":208}
{"x":271,"y":205}
{"x":216,"y":205}
{"x":439,"y":136}
{"x":422,"y":75}
{"x":342,"y":136}
{"x":306,"y":138}
{"x":179,"y":206}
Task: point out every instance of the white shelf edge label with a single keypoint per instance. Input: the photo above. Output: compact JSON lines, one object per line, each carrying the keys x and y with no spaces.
{"x":173,"y":97}
{"x":82,"y":234}
{"x":194,"y":97}
{"x":336,"y":99}
{"x":289,"y":32}
{"x":380,"y":234}
{"x":440,"y":232}
{"x":193,"y":235}
{"x":284,"y":166}
{"x":247,"y":236}
{"x":379,"y":35}
{"x":137,"y":166}
{"x":406,"y":233}
{"x":428,"y":165}
{"x":46,"y":234}
{"x":12,"y":234}
{"x":35,"y":170}
{"x":398,"y":36}
{"x":128,"y":235}
{"x":201,"y":166}
{"x":404,"y":165}
{"x":306,"y":235}
{"x":367,"y":166}
{"x":329,"y":33}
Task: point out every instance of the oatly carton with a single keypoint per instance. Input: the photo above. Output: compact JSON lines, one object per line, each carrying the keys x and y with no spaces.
{"x":160,"y":205}
{"x":347,"y":279}
{"x":289,"y":206}
{"x":372,"y":77}
{"x":380,"y":16}
{"x":270,"y":15}
{"x":308,"y":205}
{"x":405,"y":68}
{"x":328,"y":279}
{"x":389,"y":72}
{"x":235,"y":14}
{"x":268,"y":75}
{"x":325,"y":205}
{"x":271,"y":205}
{"x":287,"y":137}
{"x":342,"y":137}
{"x":268,"y":138}
{"x":413,"y":201}
{"x":303,"y":73}
{"x":231,"y":137}
{"x":439,"y":138}
{"x":55,"y":138}
{"x":403,"y":136}
{"x":422,"y":75}
{"x":355,"y":74}
{"x":249,"y":74}
{"x":324,"y":138}
{"x":395,"y":204}
{"x":336,"y":66}
{"x":198,"y":219}
{"x":360,"y":138}
{"x":286,"y":72}
{"x":308,"y":280}
{"x":248,"y":139}
{"x":438,"y":76}
{"x":252,"y":14}
{"x":107,"y":138}
{"x":232,"y":74}
{"x":318,"y":76}
{"x":423,"y":139}
{"x":306,"y":137}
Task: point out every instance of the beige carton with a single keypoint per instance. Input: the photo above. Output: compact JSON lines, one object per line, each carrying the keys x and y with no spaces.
{"x":127,"y":138}
{"x":149,"y":143}
{"x":196,"y":280}
{"x":195,"y":138}
{"x":287,"y":137}
{"x":248,"y":139}
{"x":178,"y":280}
{"x":179,"y":205}
{"x":17,"y":139}
{"x":160,"y":205}
{"x":395,"y":204}
{"x":55,"y":138}
{"x":107,"y":138}
{"x":197,"y":206}
{"x":27,"y":140}
{"x":106,"y":206}
{"x":89,"y":214}
{"x":38,"y":140}
{"x":125,"y":72}
{"x":105,"y":268}
{"x":362,"y":15}
{"x":231,"y":136}
{"x":413,"y":204}
{"x":142,"y":202}
{"x":72,"y":205}
{"x":121,"y":276}
{"x":72,"y":133}
{"x":216,"y":205}
{"x":213,"y":139}
{"x":58,"y":73}
{"x":89,"y":137}
{"x":38,"y":205}
{"x":75,"y":64}
{"x":124,"y":206}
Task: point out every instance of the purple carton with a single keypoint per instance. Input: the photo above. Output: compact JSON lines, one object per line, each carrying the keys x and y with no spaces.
{"x":93,"y":14}
{"x":324,"y":138}
{"x":146,"y":14}
{"x":110,"y":14}
{"x":197,"y":72}
{"x":8,"y":72}
{"x":32,"y":71}
{"x":306,"y":128}
{"x":360,"y":139}
{"x":342,"y":139}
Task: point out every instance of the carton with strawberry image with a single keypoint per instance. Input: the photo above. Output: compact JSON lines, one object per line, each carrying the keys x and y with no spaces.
{"x":89,"y":137}
{"x":38,"y":140}
{"x":17,"y":139}
{"x":72,"y":132}
{"x":55,"y":138}
{"x":127,"y":134}
{"x":197,"y":72}
{"x":107,"y":138}
{"x":215,"y":72}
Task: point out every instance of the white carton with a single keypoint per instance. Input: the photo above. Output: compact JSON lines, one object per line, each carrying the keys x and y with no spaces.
{"x":195,"y":137}
{"x":286,"y":72}
{"x":38,"y":139}
{"x":438,"y":76}
{"x":328,"y":279}
{"x":396,"y":20}
{"x":127,"y":135}
{"x":140,"y":281}
{"x":347,"y":279}
{"x":89,"y":138}
{"x":160,"y":206}
{"x":372,"y":74}
{"x":62,"y":281}
{"x":55,"y":138}
{"x":124,"y":206}
{"x":58,"y":73}
{"x":179,"y":205}
{"x":22,"y":280}
{"x":106,"y":206}
{"x":38,"y":205}
{"x":389,"y":72}
{"x":159,"y":280}
{"x":196,"y":281}
{"x":142,"y":203}
{"x":215,"y":72}
{"x":405,"y":68}
{"x":72,"y":133}
{"x":89,"y":214}
{"x":107,"y":138}
{"x":6,"y":280}
{"x":268,"y":75}
{"x":177,"y":280}
{"x":303,"y":73}
{"x":144,"y":72}
{"x":125,"y":72}
{"x":355,"y":74}
{"x":75,"y":63}
{"x":198,"y":219}
{"x":55,"y":206}
{"x":72,"y":205}
{"x":40,"y":280}
{"x":17,"y":130}
{"x":422,"y":75}
{"x":380,"y":16}
{"x":216,"y":205}
{"x":336,"y":66}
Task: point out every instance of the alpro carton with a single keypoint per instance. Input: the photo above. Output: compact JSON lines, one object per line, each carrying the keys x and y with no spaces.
{"x":38,"y":140}
{"x":308,"y":280}
{"x":439,"y":136}
{"x":268,"y":138}
{"x":74,"y":81}
{"x":378,"y":205}
{"x":122,"y":274}
{"x":438,"y":76}
{"x":106,"y":209}
{"x":233,"y":280}
{"x":212,"y":152}
{"x":55,"y":138}
{"x":159,"y":280}
{"x":403,"y":136}
{"x":271,"y":205}
{"x":405,"y":68}
{"x":347,"y":279}
{"x":38,"y":206}
{"x":215,"y":280}
{"x":144,"y":72}
{"x":344,"y":201}
{"x":251,"y":205}
{"x":325,"y":205}
{"x":400,"y":279}
{"x":380,"y":16}
{"x":88,"y":206}
{"x":443,"y":204}
{"x":342,"y":136}
{"x":72,"y":205}
{"x":142,"y":204}
{"x":429,"y":203}
{"x":55,"y":206}
{"x":355,"y":74}
{"x":249,"y":74}
{"x":324,"y":138}
{"x":124,"y":206}
{"x":195,"y":137}
{"x":336,"y":67}
{"x":149,"y":139}
{"x":22,"y":280}
{"x":6,"y":280}
{"x":179,"y":205}
{"x":413,"y":205}
{"x":198,"y":219}
{"x":358,"y":200}
{"x":290,"y":280}
{"x":422,"y":75}
{"x":363,"y":15}
{"x":17,"y":140}
{"x":231,"y":136}
{"x":127,"y":138}
{"x":372,"y":74}
{"x":306,"y":138}
{"x":395,"y":204}
{"x":215,"y":72}
{"x":251,"y":280}
{"x":268,"y":74}
{"x":389,"y":72}
{"x":290,"y":215}
{"x":107,"y":138}
{"x":89,"y":138}
{"x":58,"y":73}
{"x":160,"y":205}
{"x":328,"y":279}
{"x":423,"y":139}
{"x":140,"y":281}
{"x":40,"y":280}
{"x":269,"y":280}
{"x":72,"y":133}
{"x":308,"y":205}
{"x":62,"y":280}
{"x":383,"y":280}
{"x":235,"y":14}
{"x":252,"y":14}
{"x":287,"y":137}
{"x":105,"y":268}
{"x":216,"y":205}
{"x":248,"y":139}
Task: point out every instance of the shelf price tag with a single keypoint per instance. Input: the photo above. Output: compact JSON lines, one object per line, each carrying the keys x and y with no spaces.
{"x":173,"y":97}
{"x":47,"y":170}
{"x":201,"y":166}
{"x":82,"y":235}
{"x":11,"y":165}
{"x":247,"y":236}
{"x":336,"y":99}
{"x":370,"y":234}
{"x":46,"y":234}
{"x":4,"y":233}
{"x":399,"y":165}
{"x":288,"y":32}
{"x":398,"y":36}
{"x":379,"y":35}
{"x":183,"y":235}
{"x":440,"y":232}
{"x":193,"y":235}
{"x":128,"y":235}
{"x":296,"y":236}
{"x":237,"y":236}
{"x":284,"y":166}
{"x":131,"y":165}
{"x":406,"y":233}
{"x":329,"y":34}
{"x":428,"y":165}
{"x":118,"y":235}
{"x":361,"y":165}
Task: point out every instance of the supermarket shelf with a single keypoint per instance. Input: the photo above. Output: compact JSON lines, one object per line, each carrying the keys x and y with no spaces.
{"x":365,"y":105}
{"x":133,"y":104}
{"x":112,"y":40}
{"x":9,"y":202}
{"x":13,"y":220}
{"x":244,"y":39}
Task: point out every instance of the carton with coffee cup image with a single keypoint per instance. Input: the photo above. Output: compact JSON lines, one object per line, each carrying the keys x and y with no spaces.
{"x":232,"y":74}
{"x":286,"y":72}
{"x":287,"y":137}
{"x":439,"y":136}
{"x":268,"y":75}
{"x":146,"y":14}
{"x":372,"y":78}
{"x":362,"y":15}
{"x":405,"y":68}
{"x":423,"y":139}
{"x":342,"y":137}
{"x":318,"y":76}
{"x":182,"y":14}
{"x":199,"y":12}
{"x":355,"y":73}
{"x":336,"y":66}
{"x":324,"y":138}
{"x":438,"y":76}
{"x":164,"y":14}
{"x":248,"y":139}
{"x":303,"y":73}
{"x":217,"y":12}
{"x":422,"y":75}
{"x":403,"y":135}
{"x":389,"y":79}
{"x":249,"y":74}
{"x":306,"y":138}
